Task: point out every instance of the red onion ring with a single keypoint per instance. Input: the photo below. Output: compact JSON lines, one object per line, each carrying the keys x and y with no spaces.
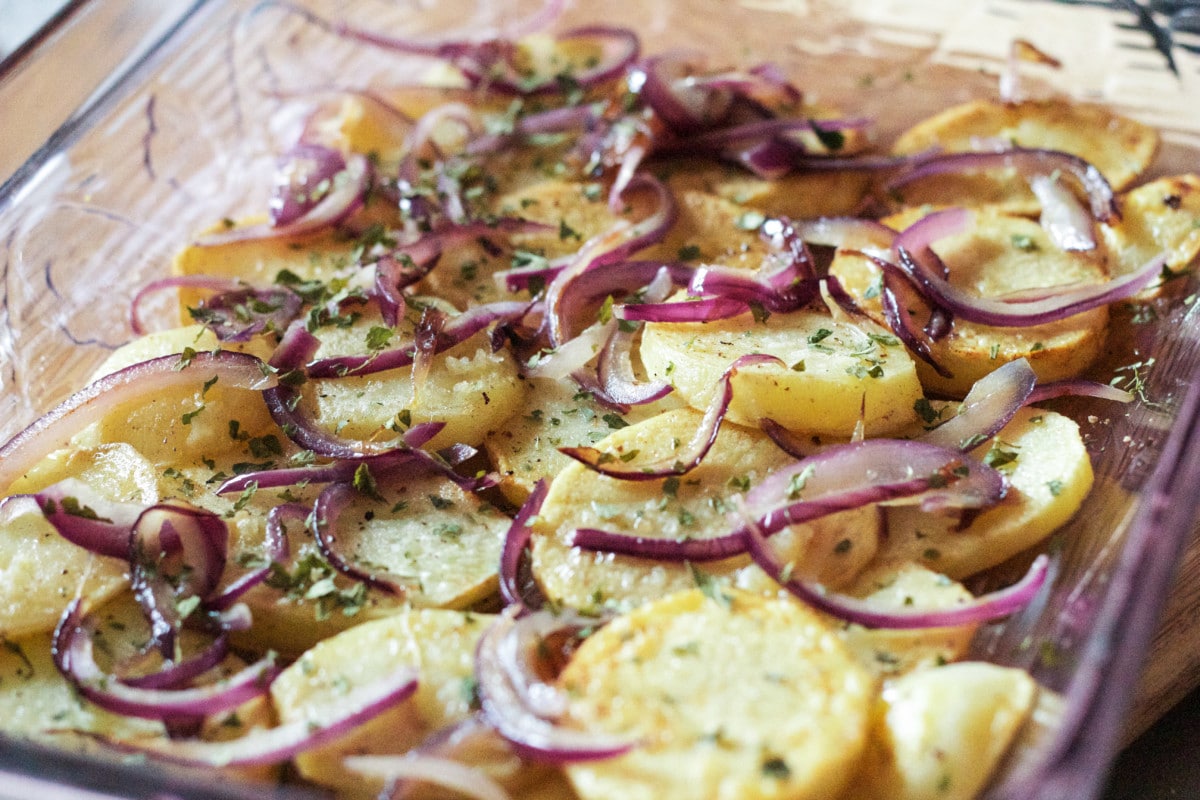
{"x":839,"y":478}
{"x":54,"y":430}
{"x":420,"y":768}
{"x":614,"y":245}
{"x":986,"y":608}
{"x":987,"y":408}
{"x":1048,"y":307}
{"x":279,"y":744}
{"x":345,"y":197}
{"x":614,"y":367}
{"x":303,"y":176}
{"x":175,"y":552}
{"x":516,"y":542}
{"x":1026,"y":161}
{"x":73,"y":655}
{"x":456,"y":330}
{"x":1063,"y":217}
{"x":83,"y":517}
{"x":326,"y":513}
{"x":1078,"y":388}
{"x":504,"y":706}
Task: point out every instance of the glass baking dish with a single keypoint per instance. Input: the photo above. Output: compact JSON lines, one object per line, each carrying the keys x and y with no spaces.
{"x":187,"y":134}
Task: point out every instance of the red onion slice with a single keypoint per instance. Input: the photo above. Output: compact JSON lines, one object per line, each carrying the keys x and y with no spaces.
{"x":985,"y":608}
{"x":700,"y":309}
{"x":851,"y":233}
{"x":987,"y":408}
{"x":304,"y":176}
{"x":455,"y":331}
{"x":146,"y":379}
{"x":346,"y":195}
{"x":838,"y":478}
{"x":732,"y":283}
{"x":795,"y":446}
{"x":898,"y":294}
{"x":326,"y":515}
{"x":614,"y":368}
{"x":516,"y":542}
{"x":177,"y":674}
{"x":563,"y":301}
{"x":619,"y":48}
{"x":83,"y":517}
{"x":175,"y":552}
{"x":1028,"y":162}
{"x":1050,"y":306}
{"x":1078,"y":388}
{"x":689,"y":455}
{"x":74,"y":656}
{"x":669,"y":87}
{"x":1063,"y":217}
{"x":276,"y":745}
{"x":210,"y":282}
{"x":277,"y":551}
{"x":420,"y":768}
{"x":531,"y":735}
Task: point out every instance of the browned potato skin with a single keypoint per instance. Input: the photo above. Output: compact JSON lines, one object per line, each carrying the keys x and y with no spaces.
{"x":1119,"y":147}
{"x":1156,"y":217}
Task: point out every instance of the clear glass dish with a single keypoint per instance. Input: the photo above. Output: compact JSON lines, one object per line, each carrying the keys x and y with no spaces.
{"x":187,"y":134}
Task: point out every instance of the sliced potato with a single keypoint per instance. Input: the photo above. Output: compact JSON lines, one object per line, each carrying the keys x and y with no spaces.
{"x":40,"y":571}
{"x":998,"y":255}
{"x":799,"y":195}
{"x":439,"y":644}
{"x":712,"y":230}
{"x":574,"y":211}
{"x":182,"y":425}
{"x":1050,"y":474}
{"x":424,"y":533}
{"x":834,"y":374}
{"x":894,"y":651}
{"x":556,"y":414}
{"x":782,"y":713}
{"x":695,"y":505}
{"x":941,"y":732}
{"x":258,"y":262}
{"x":1119,"y":147}
{"x":469,"y":388}
{"x":1160,"y":216}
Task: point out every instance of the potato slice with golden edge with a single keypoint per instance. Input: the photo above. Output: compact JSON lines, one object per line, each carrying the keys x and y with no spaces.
{"x":439,"y":644}
{"x":1160,"y":216}
{"x":831,"y":550}
{"x":941,"y":732}
{"x":893,"y":651}
{"x":1119,"y":147}
{"x":783,"y":713}
{"x":834,"y":373}
{"x":556,"y":414}
{"x":799,"y":195}
{"x":184,"y":424}
{"x":1050,"y":474}
{"x":469,"y":388}
{"x":40,"y":571}
{"x":998,"y":255}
